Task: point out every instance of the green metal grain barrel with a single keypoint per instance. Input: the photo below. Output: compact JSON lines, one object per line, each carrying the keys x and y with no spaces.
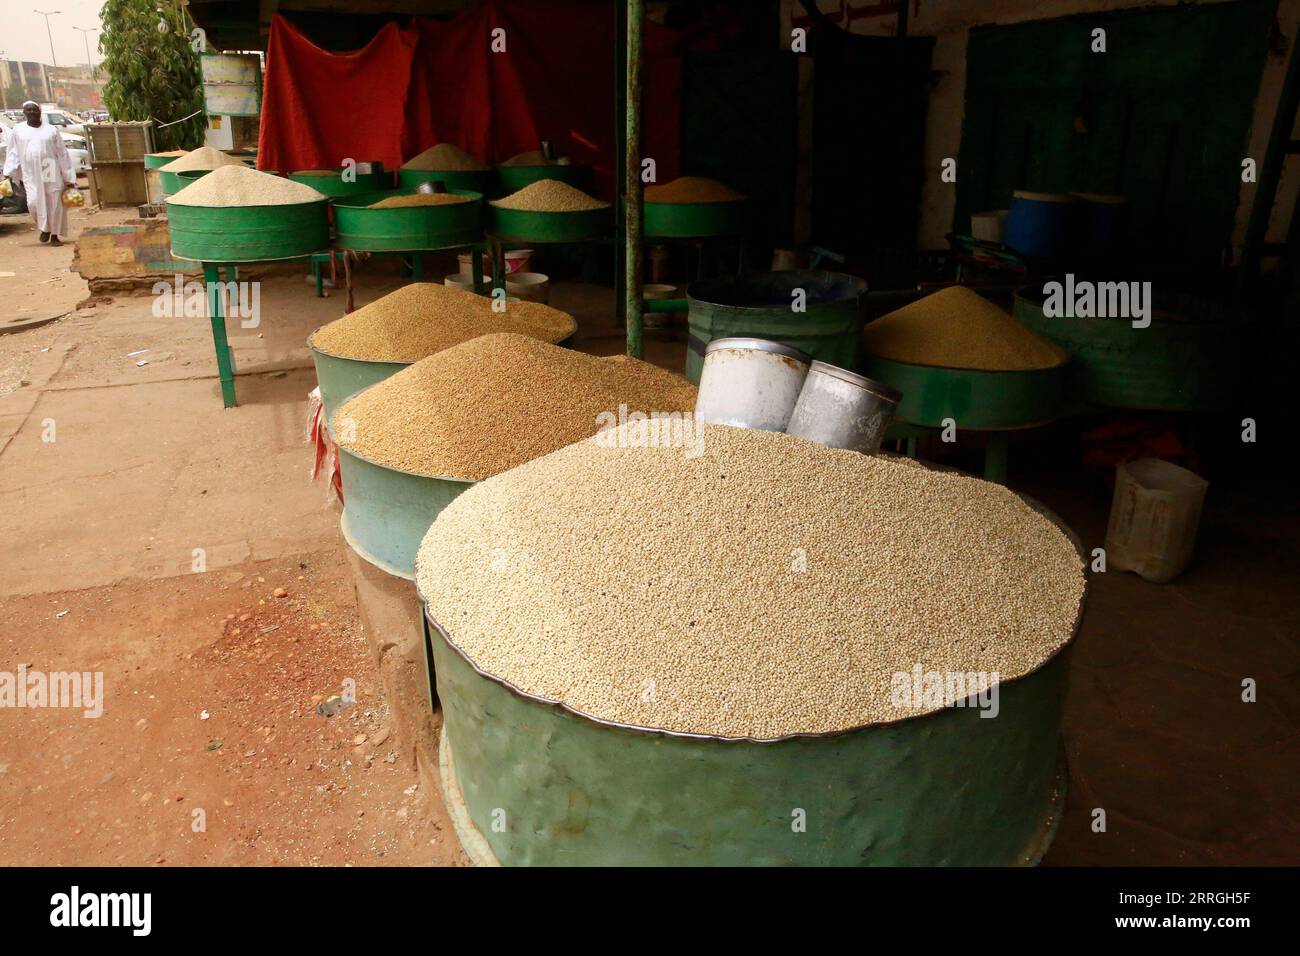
{"x":1185,"y":360}
{"x":157,"y":160}
{"x":520,"y":225}
{"x":763,"y":305}
{"x":514,"y":178}
{"x":472,"y":180}
{"x":976,"y":400}
{"x":335,"y":184}
{"x":387,"y":511}
{"x":406,"y":228}
{"x":173,"y":183}
{"x":697,"y":219}
{"x":340,"y":377}
{"x":946,"y":788}
{"x":248,"y":233}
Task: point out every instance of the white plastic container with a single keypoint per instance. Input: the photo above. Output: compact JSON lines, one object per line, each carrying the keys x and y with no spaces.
{"x":987,"y":226}
{"x":529,"y":286}
{"x":1154,"y":518}
{"x":517,"y":260}
{"x":750,"y":383}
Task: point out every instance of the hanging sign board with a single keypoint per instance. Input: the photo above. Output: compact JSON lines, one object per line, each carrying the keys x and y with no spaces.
{"x":232,"y":84}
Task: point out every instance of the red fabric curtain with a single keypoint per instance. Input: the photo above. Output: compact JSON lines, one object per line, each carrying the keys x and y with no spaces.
{"x":319,"y":108}
{"x":439,"y":81}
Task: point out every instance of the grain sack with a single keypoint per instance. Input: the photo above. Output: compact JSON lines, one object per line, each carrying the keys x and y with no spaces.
{"x":692,"y":189}
{"x":767,"y":587}
{"x":444,"y":158}
{"x":494,"y":402}
{"x":241,"y":186}
{"x":425,"y":317}
{"x":958,"y":328}
{"x":205,"y":157}
{"x":550,"y":195}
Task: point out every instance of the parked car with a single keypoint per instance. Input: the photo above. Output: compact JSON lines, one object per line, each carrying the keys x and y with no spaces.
{"x":65,"y":122}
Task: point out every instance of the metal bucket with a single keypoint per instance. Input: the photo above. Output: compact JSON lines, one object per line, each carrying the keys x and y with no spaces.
{"x":841,"y":409}
{"x":750,"y":383}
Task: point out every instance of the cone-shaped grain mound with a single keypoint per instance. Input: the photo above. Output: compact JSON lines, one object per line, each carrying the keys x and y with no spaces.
{"x":205,"y":157}
{"x":692,"y":189}
{"x":550,"y":195}
{"x":420,"y":199}
{"x":424,"y":317}
{"x":958,"y":328}
{"x":767,"y":587}
{"x":444,"y":158}
{"x":484,"y":406}
{"x":241,"y":186}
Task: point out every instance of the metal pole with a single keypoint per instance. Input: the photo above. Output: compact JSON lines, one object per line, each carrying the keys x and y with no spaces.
{"x":49,"y":33}
{"x":620,"y":159}
{"x":632,"y":158}
{"x":85,"y":36}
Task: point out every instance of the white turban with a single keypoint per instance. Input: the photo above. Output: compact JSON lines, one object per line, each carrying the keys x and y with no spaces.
{"x":31,"y":103}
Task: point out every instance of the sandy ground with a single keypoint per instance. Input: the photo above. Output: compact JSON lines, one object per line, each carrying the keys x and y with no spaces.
{"x":210,"y":748}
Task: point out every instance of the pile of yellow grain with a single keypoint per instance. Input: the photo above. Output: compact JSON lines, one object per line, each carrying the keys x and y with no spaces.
{"x":692,"y":189}
{"x":550,"y":195}
{"x":494,"y":402}
{"x":958,"y":328}
{"x":240,"y":186}
{"x":650,"y":587}
{"x":444,"y":158}
{"x":425,"y":317}
{"x":205,"y":157}
{"x":420,"y":199}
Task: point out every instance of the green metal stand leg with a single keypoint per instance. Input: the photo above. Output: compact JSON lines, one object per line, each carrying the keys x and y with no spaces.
{"x":315,"y":271}
{"x":498,"y":264}
{"x":225,"y":367}
{"x":996,"y":456}
{"x":417,"y":267}
{"x":476,"y":265}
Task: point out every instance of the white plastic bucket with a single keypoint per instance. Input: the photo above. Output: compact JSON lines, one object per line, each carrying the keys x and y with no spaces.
{"x":1154,"y":518}
{"x":517,"y":260}
{"x":530,"y":286}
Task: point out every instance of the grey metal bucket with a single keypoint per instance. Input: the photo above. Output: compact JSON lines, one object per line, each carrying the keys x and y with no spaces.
{"x":841,"y":409}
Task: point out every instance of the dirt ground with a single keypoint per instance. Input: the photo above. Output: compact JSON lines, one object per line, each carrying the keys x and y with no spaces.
{"x":210,"y":748}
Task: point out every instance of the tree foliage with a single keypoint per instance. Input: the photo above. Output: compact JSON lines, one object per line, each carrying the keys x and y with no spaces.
{"x":153,"y":70}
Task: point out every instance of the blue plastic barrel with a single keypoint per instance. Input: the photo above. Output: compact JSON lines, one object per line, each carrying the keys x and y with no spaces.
{"x":1042,"y":225}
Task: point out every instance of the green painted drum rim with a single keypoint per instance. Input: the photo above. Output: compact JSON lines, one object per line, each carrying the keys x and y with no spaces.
{"x":511,"y":179}
{"x":248,"y":233}
{"x":408,"y":229}
{"x":975,"y":400}
{"x":473,"y":180}
{"x":949,"y":787}
{"x":694,"y":220}
{"x":155,"y":161}
{"x":331,"y":186}
{"x":173,"y":183}
{"x":758,"y":305}
{"x":518,"y":225}
{"x":387,"y":511}
{"x":340,"y":377}
{"x":1188,"y":363}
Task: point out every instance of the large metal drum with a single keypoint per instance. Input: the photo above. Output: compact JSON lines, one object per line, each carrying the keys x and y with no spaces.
{"x":248,"y":233}
{"x":764,"y":306}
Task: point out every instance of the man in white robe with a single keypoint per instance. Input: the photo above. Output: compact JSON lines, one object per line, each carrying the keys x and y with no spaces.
{"x":36,"y":151}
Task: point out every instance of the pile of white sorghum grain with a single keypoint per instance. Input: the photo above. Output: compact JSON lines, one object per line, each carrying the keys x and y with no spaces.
{"x":420,"y":199}
{"x":958,"y":328}
{"x":768,"y":587}
{"x":426,"y":317}
{"x":692,"y":189}
{"x":494,"y":402}
{"x":241,"y":186}
{"x":205,"y":157}
{"x":444,"y":158}
{"x":550,"y":195}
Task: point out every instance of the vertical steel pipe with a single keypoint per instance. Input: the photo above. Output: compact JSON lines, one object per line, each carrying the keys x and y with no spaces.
{"x":632,"y":160}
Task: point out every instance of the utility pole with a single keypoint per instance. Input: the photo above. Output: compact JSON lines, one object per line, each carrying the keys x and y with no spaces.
{"x":49,"y":32}
{"x":85,"y":36}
